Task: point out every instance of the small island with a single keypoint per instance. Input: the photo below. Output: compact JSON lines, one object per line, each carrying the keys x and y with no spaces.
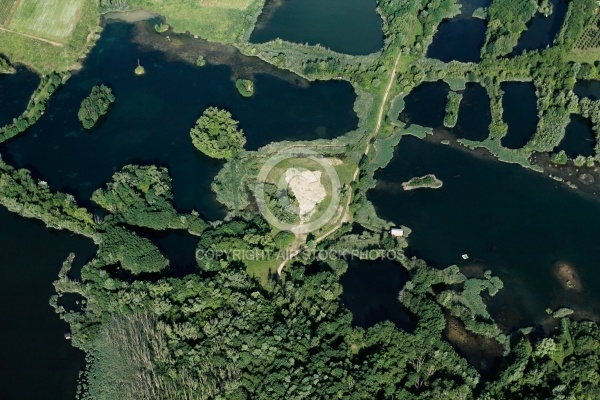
{"x":95,"y":105}
{"x":216,"y":134}
{"x":428,"y":181}
{"x":245,"y":87}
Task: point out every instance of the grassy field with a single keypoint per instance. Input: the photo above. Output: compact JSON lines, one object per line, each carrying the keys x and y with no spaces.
{"x":56,"y":46}
{"x":227,"y":21}
{"x":48,"y":19}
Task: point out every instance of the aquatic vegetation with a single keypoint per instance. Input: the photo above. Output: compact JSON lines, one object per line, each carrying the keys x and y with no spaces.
{"x":95,"y":105}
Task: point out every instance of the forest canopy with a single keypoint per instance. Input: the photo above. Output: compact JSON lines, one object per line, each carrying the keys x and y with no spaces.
{"x":216,"y":134}
{"x":95,"y":106}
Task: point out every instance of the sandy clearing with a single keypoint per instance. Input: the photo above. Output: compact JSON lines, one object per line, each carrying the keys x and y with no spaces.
{"x":307,"y":188}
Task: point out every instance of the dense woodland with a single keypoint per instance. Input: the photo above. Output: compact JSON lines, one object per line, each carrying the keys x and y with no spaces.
{"x":220,"y":333}
{"x":95,"y":105}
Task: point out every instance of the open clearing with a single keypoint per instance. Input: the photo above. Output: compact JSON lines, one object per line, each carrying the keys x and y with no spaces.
{"x":48,"y":19}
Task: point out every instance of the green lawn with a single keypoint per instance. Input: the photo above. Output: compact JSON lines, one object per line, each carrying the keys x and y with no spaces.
{"x":217,"y":20}
{"x":48,"y":19}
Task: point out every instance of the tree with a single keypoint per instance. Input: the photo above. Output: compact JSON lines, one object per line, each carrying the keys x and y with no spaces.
{"x":95,"y":106}
{"x":216,"y":134}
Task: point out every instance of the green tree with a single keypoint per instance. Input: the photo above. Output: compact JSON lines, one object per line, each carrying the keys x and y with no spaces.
{"x":216,"y":134}
{"x":95,"y":106}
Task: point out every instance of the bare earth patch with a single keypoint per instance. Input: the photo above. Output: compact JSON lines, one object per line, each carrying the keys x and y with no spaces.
{"x":307,"y":188}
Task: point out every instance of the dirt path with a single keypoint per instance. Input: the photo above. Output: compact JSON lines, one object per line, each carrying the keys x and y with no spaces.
{"x":345,"y":217}
{"x":57,"y":44}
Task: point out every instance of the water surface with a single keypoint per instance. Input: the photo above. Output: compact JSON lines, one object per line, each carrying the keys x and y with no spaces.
{"x":520,"y":113}
{"x":458,"y":39}
{"x":474,"y":116}
{"x":37,"y":362}
{"x":579,"y":139}
{"x":346,"y":26}
{"x":15,"y":91}
{"x":425,"y":105}
{"x":541,"y":30}
{"x":371,"y":290}
{"x":515,"y":222}
{"x":588,"y":89}
{"x":153,"y":114}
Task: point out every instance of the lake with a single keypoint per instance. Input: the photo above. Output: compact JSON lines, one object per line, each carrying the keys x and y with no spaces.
{"x":37,"y":362}
{"x":425,"y":105}
{"x":519,"y":104}
{"x":587,"y":89}
{"x":541,"y":30}
{"x":345,"y":26}
{"x":371,"y":290}
{"x":15,"y":92}
{"x":579,"y":139}
{"x":460,"y":38}
{"x":153,"y":114}
{"x":515,"y":222}
{"x":474,"y":116}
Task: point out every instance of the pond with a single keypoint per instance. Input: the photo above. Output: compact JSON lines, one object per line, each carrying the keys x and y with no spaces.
{"x":345,"y":26}
{"x":515,"y":222}
{"x":519,"y":105}
{"x":153,"y":114}
{"x":458,"y":39}
{"x":371,"y":290}
{"x":579,"y":139}
{"x":425,"y":105}
{"x":462,"y":37}
{"x":474,"y":114}
{"x":588,"y":89}
{"x":541,"y":30}
{"x":15,"y":92}
{"x":37,"y":362}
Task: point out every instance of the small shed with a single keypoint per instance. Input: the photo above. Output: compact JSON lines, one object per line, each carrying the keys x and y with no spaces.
{"x":397,"y":232}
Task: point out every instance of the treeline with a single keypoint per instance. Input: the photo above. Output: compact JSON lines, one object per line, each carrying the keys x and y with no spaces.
{"x":219,"y":333}
{"x":24,"y":195}
{"x":95,"y":105}
{"x":35,"y":108}
{"x":142,"y":196}
{"x":507,"y":21}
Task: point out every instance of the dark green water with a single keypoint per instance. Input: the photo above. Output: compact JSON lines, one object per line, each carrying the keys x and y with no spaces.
{"x":515,"y":222}
{"x":15,"y":91}
{"x":458,"y":39}
{"x":579,"y":139}
{"x":541,"y":31}
{"x":520,"y":113}
{"x":346,"y":26}
{"x":462,"y":37}
{"x":37,"y":362}
{"x":152,"y":116}
{"x":474,"y":114}
{"x":589,"y":89}
{"x":371,"y":290}
{"x":425,"y":105}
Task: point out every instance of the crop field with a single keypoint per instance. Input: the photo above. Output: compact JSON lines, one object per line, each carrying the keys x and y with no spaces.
{"x":591,"y":37}
{"x":6,"y":7}
{"x":48,"y":19}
